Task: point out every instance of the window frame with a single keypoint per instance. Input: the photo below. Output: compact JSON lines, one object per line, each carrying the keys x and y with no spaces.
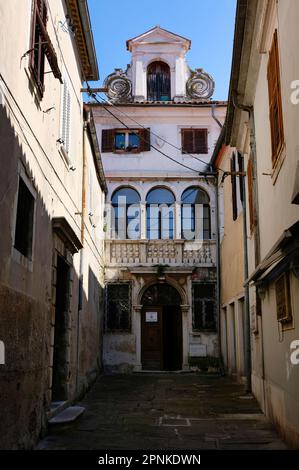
{"x":109,"y":135}
{"x":45,"y":49}
{"x":151,"y":76}
{"x":287,"y":319}
{"x":160,"y":206}
{"x":115,"y":230}
{"x":193,"y":213}
{"x":127,"y":132}
{"x":210,"y":330}
{"x":17,"y":256}
{"x":275,"y":102}
{"x":194,"y":130}
{"x":127,"y":330}
{"x":38,"y":71}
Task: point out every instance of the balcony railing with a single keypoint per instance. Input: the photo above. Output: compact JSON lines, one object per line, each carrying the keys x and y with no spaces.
{"x":171,"y":252}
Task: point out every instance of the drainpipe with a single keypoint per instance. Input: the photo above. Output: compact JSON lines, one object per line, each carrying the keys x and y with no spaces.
{"x":83,"y":210}
{"x":218,"y":271}
{"x":214,"y":116}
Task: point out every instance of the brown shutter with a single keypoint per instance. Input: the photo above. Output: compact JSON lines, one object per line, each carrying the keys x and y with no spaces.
{"x":145,"y":140}
{"x":241,"y":177}
{"x":187,"y":140}
{"x":234,"y":186}
{"x":283,"y":298}
{"x":250,"y":195}
{"x":275,"y":106}
{"x":108,"y":136}
{"x":200,"y":141}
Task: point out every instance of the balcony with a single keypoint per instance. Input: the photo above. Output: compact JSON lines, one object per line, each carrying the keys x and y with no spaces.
{"x":150,"y":252}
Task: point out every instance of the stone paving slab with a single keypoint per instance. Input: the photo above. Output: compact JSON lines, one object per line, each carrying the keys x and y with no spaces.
{"x":166,"y":411}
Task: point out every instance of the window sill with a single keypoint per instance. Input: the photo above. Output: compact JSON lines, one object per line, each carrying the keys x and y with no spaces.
{"x":278,"y":164}
{"x":286,"y":326}
{"x":22,"y":260}
{"x":127,"y":152}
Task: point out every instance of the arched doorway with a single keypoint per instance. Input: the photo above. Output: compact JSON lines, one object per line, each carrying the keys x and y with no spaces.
{"x":161,"y":328}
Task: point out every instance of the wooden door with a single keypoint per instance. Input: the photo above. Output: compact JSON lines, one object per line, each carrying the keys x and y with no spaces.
{"x":152,"y":338}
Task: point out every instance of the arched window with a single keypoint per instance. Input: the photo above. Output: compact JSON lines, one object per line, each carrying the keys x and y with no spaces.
{"x":126,"y":214}
{"x":196,"y":219}
{"x":158,"y":82}
{"x":160,"y":214}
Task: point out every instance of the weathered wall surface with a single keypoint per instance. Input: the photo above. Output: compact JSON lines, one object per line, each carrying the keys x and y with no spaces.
{"x":29,"y":147}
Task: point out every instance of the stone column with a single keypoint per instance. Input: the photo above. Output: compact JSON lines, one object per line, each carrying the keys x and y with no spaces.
{"x":185,"y":336}
{"x":137,"y":328}
{"x":143,"y":234}
{"x":178,"y":224}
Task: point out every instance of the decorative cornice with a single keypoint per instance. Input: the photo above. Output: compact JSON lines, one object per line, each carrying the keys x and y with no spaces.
{"x":79,"y":13}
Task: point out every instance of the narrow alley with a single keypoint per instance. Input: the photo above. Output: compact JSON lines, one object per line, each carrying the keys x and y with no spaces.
{"x":166,"y":411}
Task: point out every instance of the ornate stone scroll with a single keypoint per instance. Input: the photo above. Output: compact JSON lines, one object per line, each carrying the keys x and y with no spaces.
{"x":200,"y":85}
{"x":119,"y":87}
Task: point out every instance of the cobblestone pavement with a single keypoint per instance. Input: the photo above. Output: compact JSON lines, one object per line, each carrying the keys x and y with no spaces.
{"x":166,"y":411}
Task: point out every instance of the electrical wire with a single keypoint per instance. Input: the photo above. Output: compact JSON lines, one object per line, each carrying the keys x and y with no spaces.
{"x":153,"y":133}
{"x":93,"y":95}
{"x":26,"y":142}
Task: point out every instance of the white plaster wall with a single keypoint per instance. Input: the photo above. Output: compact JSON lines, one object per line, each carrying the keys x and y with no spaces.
{"x":166,"y":122}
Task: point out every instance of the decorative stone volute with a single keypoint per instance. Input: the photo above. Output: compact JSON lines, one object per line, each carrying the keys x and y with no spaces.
{"x":119,"y":87}
{"x":200,"y":85}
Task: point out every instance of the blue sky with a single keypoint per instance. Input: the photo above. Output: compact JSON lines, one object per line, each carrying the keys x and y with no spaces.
{"x":208,"y":23}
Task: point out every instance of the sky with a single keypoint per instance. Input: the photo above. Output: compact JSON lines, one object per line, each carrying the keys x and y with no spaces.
{"x":208,"y":23}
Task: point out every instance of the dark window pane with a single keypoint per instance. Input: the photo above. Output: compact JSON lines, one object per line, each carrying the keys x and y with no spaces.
{"x":204,"y":306}
{"x":134,"y":142}
{"x":158,"y":82}
{"x":118,"y":307}
{"x":131,"y":196}
{"x":160,"y":196}
{"x":161,"y":294}
{"x":195,"y":195}
{"x":24,"y":222}
{"x":120,"y":141}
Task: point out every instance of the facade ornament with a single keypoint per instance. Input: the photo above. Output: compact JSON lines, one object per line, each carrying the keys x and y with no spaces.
{"x":119,"y":87}
{"x":200,"y":85}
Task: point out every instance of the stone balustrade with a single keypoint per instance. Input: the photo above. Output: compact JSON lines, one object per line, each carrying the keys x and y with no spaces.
{"x":151,"y":252}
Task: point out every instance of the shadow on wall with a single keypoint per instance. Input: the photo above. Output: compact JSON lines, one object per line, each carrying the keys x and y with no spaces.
{"x":26,"y":306}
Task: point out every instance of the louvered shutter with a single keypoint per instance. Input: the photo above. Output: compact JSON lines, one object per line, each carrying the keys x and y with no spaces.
{"x":66,"y":117}
{"x":145,"y":140}
{"x":250,"y":195}
{"x":187,"y":140}
{"x":200,"y":141}
{"x":234,"y":187}
{"x":108,"y":140}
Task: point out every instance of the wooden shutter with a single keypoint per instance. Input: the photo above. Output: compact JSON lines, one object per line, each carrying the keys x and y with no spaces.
{"x":194,"y":141}
{"x":66,"y":116}
{"x":145,"y":140}
{"x":234,"y":186}
{"x":250,"y":194}
{"x":108,"y":140}
{"x":283,"y":298}
{"x":241,"y":177}
{"x":200,"y":140}
{"x":275,"y":106}
{"x":187,"y":140}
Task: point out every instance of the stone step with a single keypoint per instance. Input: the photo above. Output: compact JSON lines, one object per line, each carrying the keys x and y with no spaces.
{"x":69,"y":415}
